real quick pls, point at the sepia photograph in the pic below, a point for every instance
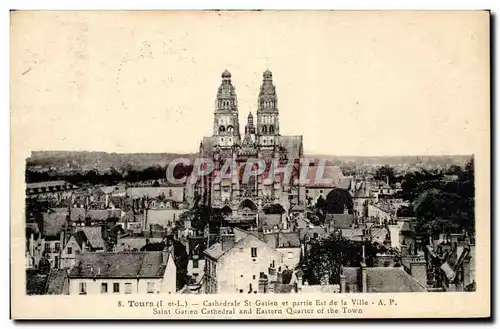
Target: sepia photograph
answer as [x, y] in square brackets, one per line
[212, 164]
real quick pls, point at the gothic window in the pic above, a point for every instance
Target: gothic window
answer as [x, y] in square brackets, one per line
[222, 129]
[264, 129]
[230, 129]
[271, 129]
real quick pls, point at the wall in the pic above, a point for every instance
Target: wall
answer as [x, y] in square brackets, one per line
[67, 259]
[237, 268]
[378, 214]
[94, 286]
[291, 257]
[169, 281]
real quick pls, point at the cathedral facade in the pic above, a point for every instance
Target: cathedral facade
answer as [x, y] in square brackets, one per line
[244, 199]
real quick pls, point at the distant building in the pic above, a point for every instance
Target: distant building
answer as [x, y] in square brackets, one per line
[56, 190]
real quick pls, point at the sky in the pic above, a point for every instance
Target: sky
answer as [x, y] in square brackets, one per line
[352, 83]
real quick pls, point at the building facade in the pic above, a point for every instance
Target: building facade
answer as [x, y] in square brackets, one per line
[244, 199]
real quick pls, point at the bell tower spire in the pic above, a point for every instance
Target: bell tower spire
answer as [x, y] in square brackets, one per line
[226, 124]
[267, 112]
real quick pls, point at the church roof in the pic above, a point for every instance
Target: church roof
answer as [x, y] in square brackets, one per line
[226, 74]
[292, 145]
[207, 147]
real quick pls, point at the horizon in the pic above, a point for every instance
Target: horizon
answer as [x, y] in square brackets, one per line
[312, 154]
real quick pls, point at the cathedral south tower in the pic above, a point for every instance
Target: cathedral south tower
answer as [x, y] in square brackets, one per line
[267, 113]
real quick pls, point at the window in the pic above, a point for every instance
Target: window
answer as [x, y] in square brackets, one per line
[195, 263]
[83, 288]
[254, 252]
[104, 288]
[57, 246]
[70, 250]
[151, 287]
[116, 287]
[47, 246]
[253, 277]
[128, 288]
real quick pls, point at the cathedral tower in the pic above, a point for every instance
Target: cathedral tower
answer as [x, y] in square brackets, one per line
[267, 112]
[226, 126]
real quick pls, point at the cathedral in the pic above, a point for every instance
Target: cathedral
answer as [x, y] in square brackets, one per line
[243, 200]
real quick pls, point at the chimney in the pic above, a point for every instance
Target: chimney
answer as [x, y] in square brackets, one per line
[227, 241]
[262, 286]
[364, 281]
[343, 283]
[418, 270]
[364, 273]
[165, 254]
[467, 271]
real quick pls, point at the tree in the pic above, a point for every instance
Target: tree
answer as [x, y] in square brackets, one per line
[325, 258]
[386, 174]
[338, 200]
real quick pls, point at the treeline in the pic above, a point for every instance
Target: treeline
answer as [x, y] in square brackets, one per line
[441, 205]
[113, 176]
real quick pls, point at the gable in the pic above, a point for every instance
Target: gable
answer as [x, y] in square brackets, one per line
[249, 242]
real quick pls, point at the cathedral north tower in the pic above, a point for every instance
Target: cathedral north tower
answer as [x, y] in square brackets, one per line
[226, 128]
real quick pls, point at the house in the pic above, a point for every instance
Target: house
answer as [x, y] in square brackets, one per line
[54, 221]
[123, 273]
[361, 198]
[288, 244]
[321, 180]
[129, 243]
[84, 239]
[378, 280]
[379, 213]
[235, 266]
[50, 190]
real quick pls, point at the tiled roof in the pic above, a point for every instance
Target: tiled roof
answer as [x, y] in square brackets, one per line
[341, 220]
[104, 214]
[108, 189]
[282, 240]
[292, 145]
[78, 214]
[363, 191]
[133, 243]
[214, 251]
[379, 235]
[54, 221]
[310, 231]
[317, 177]
[391, 279]
[94, 236]
[56, 281]
[207, 147]
[118, 265]
[352, 274]
[270, 220]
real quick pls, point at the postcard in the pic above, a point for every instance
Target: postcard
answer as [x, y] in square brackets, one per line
[250, 164]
